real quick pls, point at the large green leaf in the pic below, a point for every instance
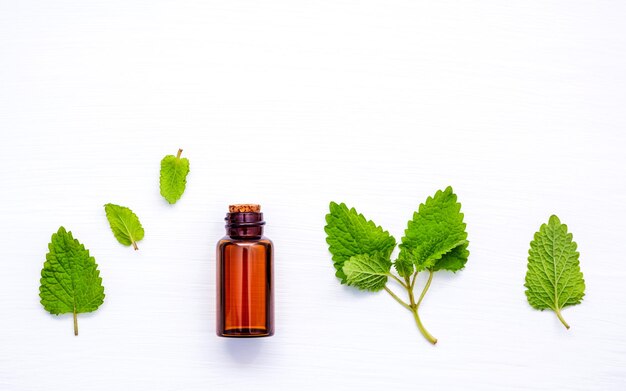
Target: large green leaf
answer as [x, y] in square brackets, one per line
[350, 234]
[554, 279]
[70, 280]
[435, 238]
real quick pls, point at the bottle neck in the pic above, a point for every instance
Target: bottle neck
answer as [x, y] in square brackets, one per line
[244, 225]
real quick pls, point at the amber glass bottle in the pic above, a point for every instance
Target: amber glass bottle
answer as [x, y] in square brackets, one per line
[245, 278]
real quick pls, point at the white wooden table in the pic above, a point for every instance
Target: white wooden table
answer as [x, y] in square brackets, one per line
[520, 107]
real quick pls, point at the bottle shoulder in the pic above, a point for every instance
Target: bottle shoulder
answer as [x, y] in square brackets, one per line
[229, 241]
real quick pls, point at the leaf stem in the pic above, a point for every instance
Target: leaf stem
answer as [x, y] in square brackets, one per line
[413, 282]
[135, 245]
[75, 321]
[399, 300]
[414, 307]
[180, 151]
[408, 285]
[558, 314]
[398, 280]
[423, 330]
[430, 279]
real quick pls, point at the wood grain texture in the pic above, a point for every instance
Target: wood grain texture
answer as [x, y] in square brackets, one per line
[520, 107]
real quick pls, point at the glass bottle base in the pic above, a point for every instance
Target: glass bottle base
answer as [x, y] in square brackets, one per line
[245, 333]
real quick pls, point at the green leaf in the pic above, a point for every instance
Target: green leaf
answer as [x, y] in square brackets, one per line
[70, 279]
[453, 260]
[554, 279]
[173, 180]
[350, 234]
[404, 265]
[435, 238]
[124, 224]
[367, 272]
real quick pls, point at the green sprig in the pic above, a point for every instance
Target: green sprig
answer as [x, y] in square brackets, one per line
[435, 239]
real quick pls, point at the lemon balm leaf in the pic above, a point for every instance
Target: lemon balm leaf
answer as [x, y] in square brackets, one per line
[453, 260]
[173, 180]
[553, 278]
[349, 234]
[367, 272]
[404, 265]
[125, 225]
[70, 279]
[435, 238]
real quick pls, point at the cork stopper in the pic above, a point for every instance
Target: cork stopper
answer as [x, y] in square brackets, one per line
[244, 208]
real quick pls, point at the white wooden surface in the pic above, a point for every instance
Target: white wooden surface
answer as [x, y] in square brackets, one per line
[518, 105]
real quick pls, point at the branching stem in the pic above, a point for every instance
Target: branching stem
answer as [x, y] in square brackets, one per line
[398, 280]
[409, 284]
[399, 300]
[413, 282]
[430, 279]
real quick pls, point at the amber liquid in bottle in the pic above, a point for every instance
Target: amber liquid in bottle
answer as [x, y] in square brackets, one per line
[245, 296]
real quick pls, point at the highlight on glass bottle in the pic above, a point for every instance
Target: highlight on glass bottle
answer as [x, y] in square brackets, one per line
[245, 278]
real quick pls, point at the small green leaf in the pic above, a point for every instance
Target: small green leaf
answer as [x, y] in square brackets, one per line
[554, 279]
[70, 279]
[435, 238]
[404, 265]
[349, 233]
[367, 271]
[173, 180]
[124, 224]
